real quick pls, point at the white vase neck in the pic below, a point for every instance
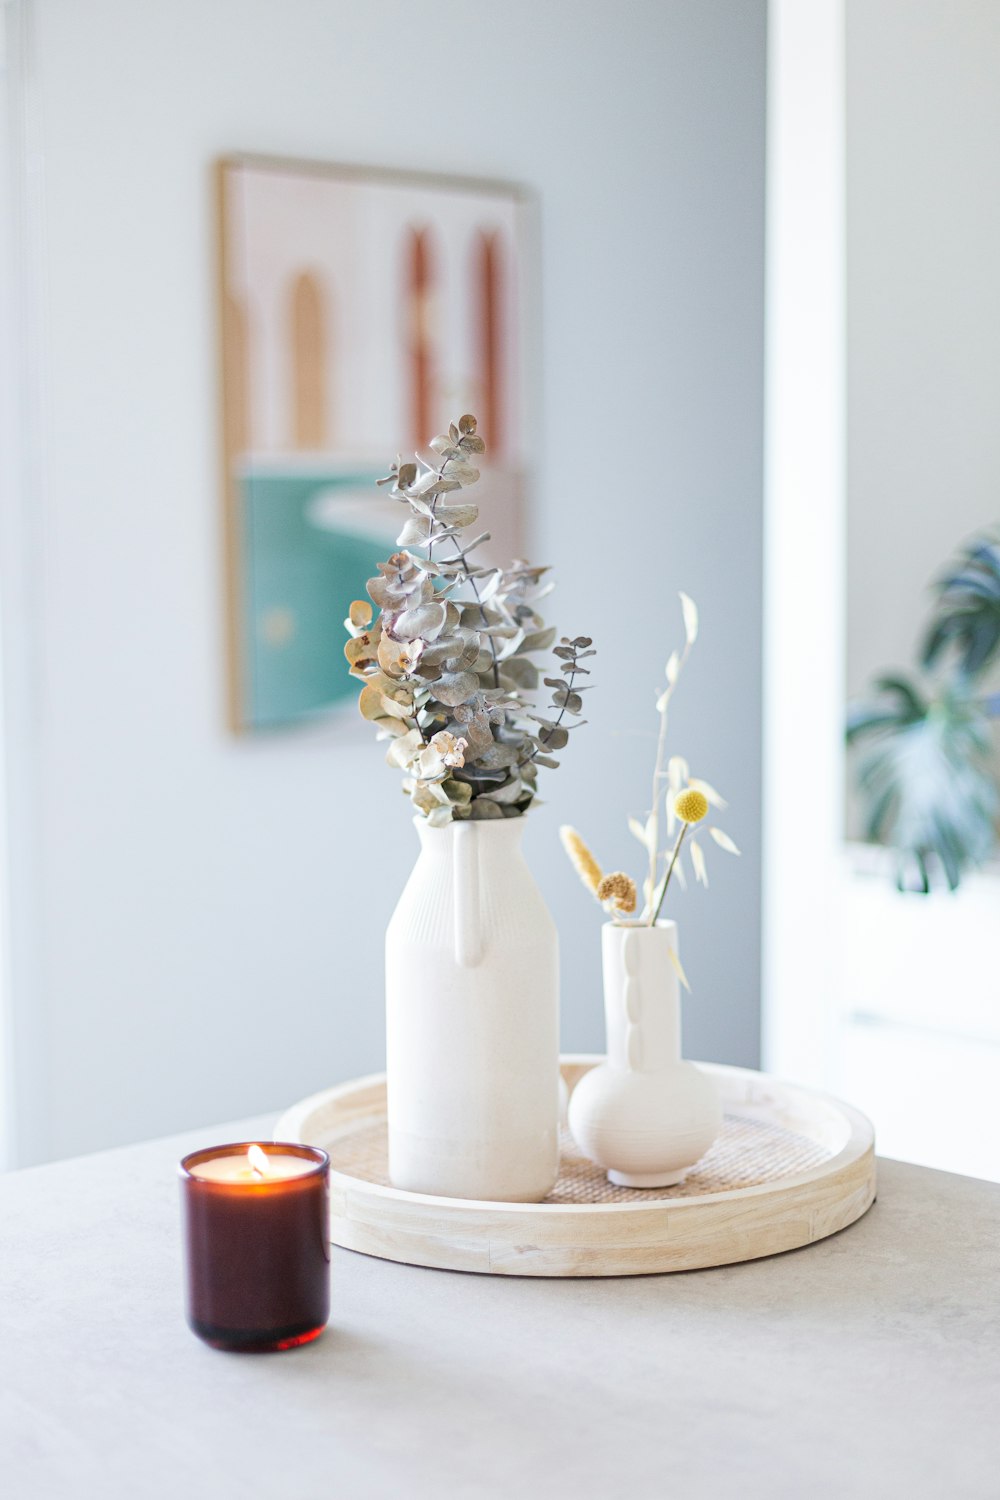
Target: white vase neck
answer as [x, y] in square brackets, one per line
[476, 861]
[492, 833]
[664, 925]
[641, 995]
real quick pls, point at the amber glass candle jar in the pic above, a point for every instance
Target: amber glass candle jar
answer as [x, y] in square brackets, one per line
[257, 1244]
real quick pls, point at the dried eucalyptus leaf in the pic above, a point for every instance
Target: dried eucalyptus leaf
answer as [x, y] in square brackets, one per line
[498, 757]
[460, 472]
[508, 792]
[455, 687]
[451, 643]
[360, 614]
[481, 778]
[538, 640]
[371, 702]
[425, 620]
[385, 595]
[396, 708]
[457, 791]
[456, 516]
[552, 736]
[489, 588]
[416, 530]
[391, 729]
[361, 648]
[466, 550]
[480, 810]
[465, 660]
[480, 740]
[522, 672]
[433, 483]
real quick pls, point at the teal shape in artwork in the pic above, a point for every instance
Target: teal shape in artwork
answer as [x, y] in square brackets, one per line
[305, 557]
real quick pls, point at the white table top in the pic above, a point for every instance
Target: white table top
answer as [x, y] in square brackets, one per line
[865, 1366]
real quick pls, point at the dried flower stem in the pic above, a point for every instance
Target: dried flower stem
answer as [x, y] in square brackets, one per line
[546, 734]
[666, 879]
[468, 574]
[482, 611]
[689, 805]
[659, 775]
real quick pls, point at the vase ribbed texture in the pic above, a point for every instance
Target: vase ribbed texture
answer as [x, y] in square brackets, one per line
[472, 1020]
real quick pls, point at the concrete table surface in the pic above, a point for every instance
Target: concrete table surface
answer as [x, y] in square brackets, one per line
[866, 1365]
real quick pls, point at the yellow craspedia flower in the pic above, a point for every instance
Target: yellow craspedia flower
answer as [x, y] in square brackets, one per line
[691, 805]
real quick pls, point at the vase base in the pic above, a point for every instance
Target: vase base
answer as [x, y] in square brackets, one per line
[647, 1179]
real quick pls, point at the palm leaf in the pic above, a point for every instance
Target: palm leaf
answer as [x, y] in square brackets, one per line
[926, 780]
[967, 610]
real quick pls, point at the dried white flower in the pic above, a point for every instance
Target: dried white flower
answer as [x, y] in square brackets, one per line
[443, 751]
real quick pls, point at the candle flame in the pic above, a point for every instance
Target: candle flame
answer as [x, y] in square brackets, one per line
[258, 1160]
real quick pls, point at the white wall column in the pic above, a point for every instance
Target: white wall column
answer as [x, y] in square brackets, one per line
[804, 526]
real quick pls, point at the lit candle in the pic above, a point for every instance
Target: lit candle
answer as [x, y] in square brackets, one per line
[256, 1220]
[253, 1165]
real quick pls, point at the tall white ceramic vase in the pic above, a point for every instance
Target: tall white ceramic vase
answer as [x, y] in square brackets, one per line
[644, 1115]
[472, 1020]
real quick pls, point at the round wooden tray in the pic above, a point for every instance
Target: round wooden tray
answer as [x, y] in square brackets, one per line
[791, 1166]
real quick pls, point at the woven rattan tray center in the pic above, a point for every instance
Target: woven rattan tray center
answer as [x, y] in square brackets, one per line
[747, 1153]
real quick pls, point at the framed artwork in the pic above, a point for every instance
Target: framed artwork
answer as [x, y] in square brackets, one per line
[361, 312]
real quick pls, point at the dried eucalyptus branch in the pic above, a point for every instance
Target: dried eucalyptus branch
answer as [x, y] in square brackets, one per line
[449, 678]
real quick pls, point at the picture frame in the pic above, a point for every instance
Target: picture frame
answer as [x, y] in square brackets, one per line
[360, 310]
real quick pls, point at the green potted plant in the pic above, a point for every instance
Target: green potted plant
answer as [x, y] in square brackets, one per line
[926, 759]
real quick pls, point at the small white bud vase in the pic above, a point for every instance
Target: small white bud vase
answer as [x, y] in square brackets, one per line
[644, 1115]
[472, 1020]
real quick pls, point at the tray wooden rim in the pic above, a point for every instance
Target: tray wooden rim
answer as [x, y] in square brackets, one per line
[708, 1229]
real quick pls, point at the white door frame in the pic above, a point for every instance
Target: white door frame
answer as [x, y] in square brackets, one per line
[804, 539]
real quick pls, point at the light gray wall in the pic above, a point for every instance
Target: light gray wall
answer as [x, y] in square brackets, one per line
[210, 912]
[923, 251]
